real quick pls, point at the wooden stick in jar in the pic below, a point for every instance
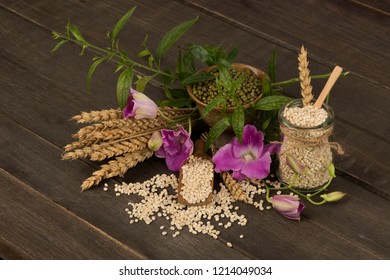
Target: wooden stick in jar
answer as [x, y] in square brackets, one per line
[328, 86]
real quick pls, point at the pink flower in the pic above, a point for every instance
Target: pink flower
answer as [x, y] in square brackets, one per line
[287, 205]
[177, 147]
[249, 159]
[139, 106]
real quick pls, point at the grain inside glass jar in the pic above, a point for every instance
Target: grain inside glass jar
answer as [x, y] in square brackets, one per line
[306, 131]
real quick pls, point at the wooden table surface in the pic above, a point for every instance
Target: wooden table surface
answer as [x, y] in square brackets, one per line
[43, 214]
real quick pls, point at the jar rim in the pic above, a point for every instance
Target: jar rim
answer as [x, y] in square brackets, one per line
[299, 103]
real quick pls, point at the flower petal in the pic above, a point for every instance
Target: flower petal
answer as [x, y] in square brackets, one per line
[272, 148]
[177, 147]
[224, 159]
[160, 152]
[129, 110]
[174, 163]
[251, 136]
[238, 176]
[258, 168]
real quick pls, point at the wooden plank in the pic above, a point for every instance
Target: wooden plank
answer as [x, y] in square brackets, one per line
[34, 227]
[363, 129]
[332, 43]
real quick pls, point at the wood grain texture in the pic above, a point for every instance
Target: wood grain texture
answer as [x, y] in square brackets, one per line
[41, 91]
[40, 229]
[378, 6]
[329, 30]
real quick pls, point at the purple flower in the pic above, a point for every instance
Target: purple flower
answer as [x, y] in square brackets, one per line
[177, 147]
[139, 106]
[287, 205]
[249, 159]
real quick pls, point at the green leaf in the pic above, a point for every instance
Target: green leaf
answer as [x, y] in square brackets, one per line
[237, 83]
[144, 53]
[180, 102]
[142, 82]
[151, 61]
[273, 102]
[57, 46]
[92, 70]
[223, 63]
[123, 87]
[119, 25]
[266, 87]
[119, 68]
[272, 67]
[266, 124]
[231, 56]
[238, 121]
[178, 92]
[216, 131]
[179, 64]
[188, 61]
[197, 77]
[212, 104]
[173, 35]
[75, 32]
[224, 78]
[144, 42]
[169, 78]
[200, 53]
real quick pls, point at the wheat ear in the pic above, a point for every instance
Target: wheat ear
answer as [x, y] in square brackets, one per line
[304, 77]
[103, 150]
[233, 186]
[98, 116]
[117, 167]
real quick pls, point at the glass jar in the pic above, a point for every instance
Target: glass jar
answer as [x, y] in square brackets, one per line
[310, 146]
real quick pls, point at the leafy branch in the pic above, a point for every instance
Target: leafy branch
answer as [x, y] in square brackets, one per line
[124, 64]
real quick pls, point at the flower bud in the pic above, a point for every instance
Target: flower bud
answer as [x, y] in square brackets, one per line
[287, 205]
[295, 165]
[155, 141]
[332, 171]
[139, 106]
[333, 196]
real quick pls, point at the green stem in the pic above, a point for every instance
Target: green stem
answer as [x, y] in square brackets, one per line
[306, 197]
[323, 188]
[268, 189]
[295, 80]
[112, 53]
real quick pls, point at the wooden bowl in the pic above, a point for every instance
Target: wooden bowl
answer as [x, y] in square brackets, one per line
[217, 113]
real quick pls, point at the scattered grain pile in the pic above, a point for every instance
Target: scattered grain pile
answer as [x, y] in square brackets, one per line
[158, 200]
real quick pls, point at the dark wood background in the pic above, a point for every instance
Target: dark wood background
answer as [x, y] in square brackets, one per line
[43, 215]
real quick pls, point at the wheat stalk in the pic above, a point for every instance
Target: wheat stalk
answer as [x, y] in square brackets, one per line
[117, 167]
[304, 77]
[78, 145]
[233, 186]
[98, 116]
[103, 150]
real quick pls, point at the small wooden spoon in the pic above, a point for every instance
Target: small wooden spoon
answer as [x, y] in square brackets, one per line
[328, 86]
[199, 151]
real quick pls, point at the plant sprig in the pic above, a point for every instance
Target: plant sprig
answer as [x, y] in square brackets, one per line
[126, 65]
